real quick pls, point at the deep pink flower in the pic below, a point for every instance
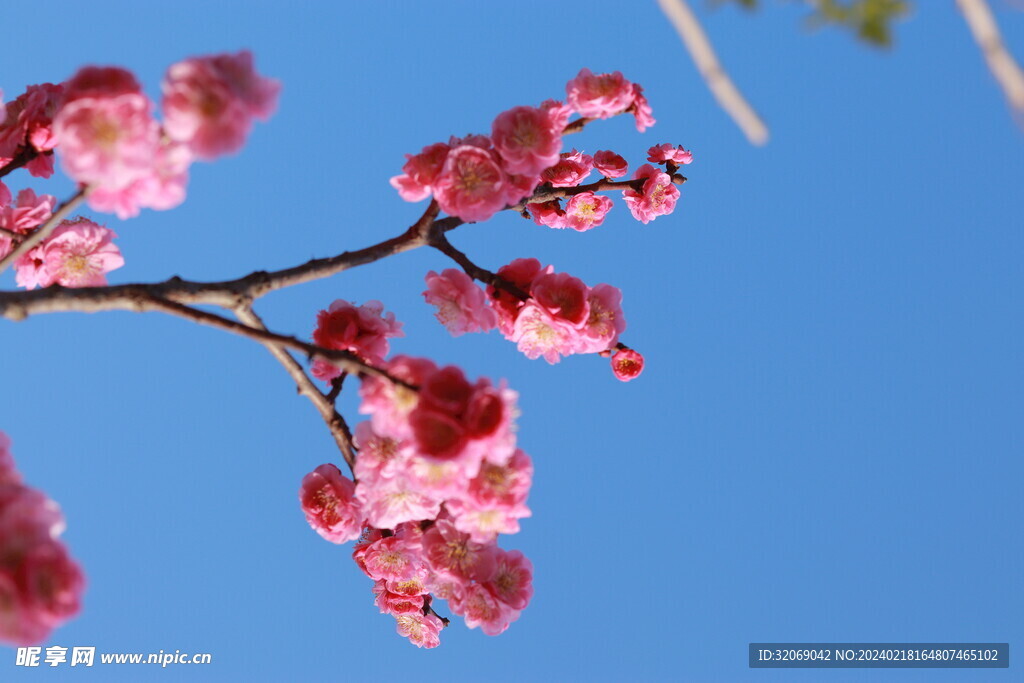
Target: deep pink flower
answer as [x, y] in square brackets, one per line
[422, 630]
[51, 583]
[563, 296]
[461, 305]
[627, 364]
[394, 603]
[586, 210]
[513, 579]
[363, 330]
[605, 322]
[420, 172]
[393, 559]
[521, 273]
[642, 111]
[548, 213]
[328, 499]
[28, 122]
[528, 139]
[558, 112]
[571, 170]
[210, 102]
[657, 198]
[100, 82]
[599, 96]
[665, 152]
[609, 164]
[471, 185]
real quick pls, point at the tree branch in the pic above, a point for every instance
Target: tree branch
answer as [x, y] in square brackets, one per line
[718, 81]
[1006, 71]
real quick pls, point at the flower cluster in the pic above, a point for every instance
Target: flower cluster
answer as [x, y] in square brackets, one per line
[106, 134]
[437, 478]
[363, 330]
[78, 253]
[475, 177]
[40, 585]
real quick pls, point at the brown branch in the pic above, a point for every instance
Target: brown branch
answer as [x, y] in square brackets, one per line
[324, 404]
[27, 154]
[725, 91]
[1007, 72]
[441, 243]
[44, 230]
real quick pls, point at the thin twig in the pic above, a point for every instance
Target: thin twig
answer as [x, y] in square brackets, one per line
[718, 81]
[1007, 72]
[324, 404]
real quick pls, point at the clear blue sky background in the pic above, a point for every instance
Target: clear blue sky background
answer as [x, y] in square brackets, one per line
[826, 445]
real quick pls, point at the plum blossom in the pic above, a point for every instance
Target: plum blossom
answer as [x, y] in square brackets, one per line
[471, 185]
[79, 253]
[528, 139]
[453, 553]
[571, 170]
[461, 305]
[609, 164]
[642, 111]
[422, 630]
[627, 364]
[586, 210]
[549, 213]
[328, 499]
[665, 152]
[363, 330]
[513, 579]
[210, 102]
[657, 198]
[481, 608]
[420, 172]
[28, 212]
[26, 126]
[599, 96]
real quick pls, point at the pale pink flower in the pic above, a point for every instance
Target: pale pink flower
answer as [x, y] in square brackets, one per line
[28, 212]
[609, 164]
[388, 502]
[605, 322]
[627, 364]
[389, 404]
[642, 111]
[79, 253]
[657, 198]
[380, 457]
[393, 559]
[483, 522]
[538, 333]
[30, 269]
[422, 630]
[558, 112]
[420, 172]
[108, 142]
[586, 210]
[513, 579]
[528, 139]
[328, 500]
[436, 478]
[452, 553]
[480, 608]
[363, 330]
[471, 185]
[161, 187]
[461, 305]
[599, 96]
[210, 102]
[506, 485]
[571, 170]
[665, 152]
[548, 213]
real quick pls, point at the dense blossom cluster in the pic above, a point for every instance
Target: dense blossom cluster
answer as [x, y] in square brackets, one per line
[437, 479]
[40, 585]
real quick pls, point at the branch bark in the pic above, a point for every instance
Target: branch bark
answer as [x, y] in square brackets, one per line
[1006, 71]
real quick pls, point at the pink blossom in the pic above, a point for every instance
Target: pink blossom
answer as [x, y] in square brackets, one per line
[363, 330]
[389, 404]
[78, 253]
[528, 139]
[328, 499]
[28, 212]
[563, 296]
[421, 172]
[609, 164]
[558, 112]
[471, 185]
[586, 210]
[605, 322]
[665, 152]
[27, 122]
[513, 579]
[521, 273]
[380, 457]
[210, 102]
[394, 603]
[393, 559]
[388, 502]
[571, 170]
[641, 109]
[599, 96]
[100, 82]
[480, 608]
[539, 333]
[422, 630]
[109, 142]
[627, 364]
[461, 305]
[8, 471]
[657, 198]
[520, 187]
[548, 213]
[161, 187]
[483, 522]
[51, 583]
[451, 552]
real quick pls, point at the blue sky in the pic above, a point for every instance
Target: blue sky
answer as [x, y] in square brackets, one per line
[825, 445]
